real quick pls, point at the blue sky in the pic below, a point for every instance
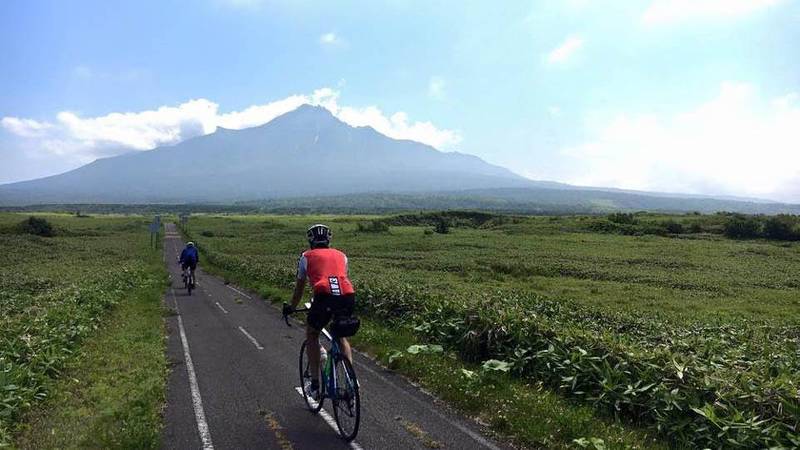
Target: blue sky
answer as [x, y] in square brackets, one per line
[696, 96]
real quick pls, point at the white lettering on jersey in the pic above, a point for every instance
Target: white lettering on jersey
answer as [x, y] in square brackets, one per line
[334, 283]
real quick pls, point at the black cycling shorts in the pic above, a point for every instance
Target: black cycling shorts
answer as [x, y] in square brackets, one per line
[193, 265]
[324, 307]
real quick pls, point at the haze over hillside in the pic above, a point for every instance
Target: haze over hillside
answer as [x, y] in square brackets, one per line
[309, 154]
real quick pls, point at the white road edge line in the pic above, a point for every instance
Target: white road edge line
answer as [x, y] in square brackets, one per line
[330, 420]
[475, 436]
[197, 401]
[252, 339]
[240, 292]
[220, 307]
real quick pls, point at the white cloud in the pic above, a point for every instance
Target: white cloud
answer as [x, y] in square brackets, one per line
[436, 88]
[259, 114]
[85, 139]
[673, 11]
[565, 50]
[736, 143]
[330, 39]
[24, 127]
[143, 130]
[398, 126]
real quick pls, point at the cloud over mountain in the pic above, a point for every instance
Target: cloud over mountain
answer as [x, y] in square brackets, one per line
[87, 138]
[271, 160]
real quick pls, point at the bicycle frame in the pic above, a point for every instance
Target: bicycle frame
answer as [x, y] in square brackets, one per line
[345, 397]
[328, 372]
[188, 278]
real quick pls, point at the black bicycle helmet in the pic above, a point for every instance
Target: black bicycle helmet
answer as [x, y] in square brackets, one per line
[319, 234]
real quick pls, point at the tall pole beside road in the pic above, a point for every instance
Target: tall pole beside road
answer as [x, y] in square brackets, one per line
[155, 227]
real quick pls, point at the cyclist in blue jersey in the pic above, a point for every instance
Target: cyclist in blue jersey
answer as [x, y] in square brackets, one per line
[189, 258]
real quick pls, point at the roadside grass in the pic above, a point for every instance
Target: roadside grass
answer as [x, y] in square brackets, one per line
[112, 393]
[78, 305]
[525, 413]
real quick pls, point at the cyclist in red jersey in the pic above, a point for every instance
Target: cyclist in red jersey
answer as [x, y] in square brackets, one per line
[325, 269]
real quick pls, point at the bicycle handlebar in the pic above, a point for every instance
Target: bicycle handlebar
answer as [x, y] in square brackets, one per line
[286, 316]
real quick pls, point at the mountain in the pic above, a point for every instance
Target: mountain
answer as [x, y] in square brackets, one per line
[309, 160]
[304, 152]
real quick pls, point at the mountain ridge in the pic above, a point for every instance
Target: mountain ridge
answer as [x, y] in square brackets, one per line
[307, 153]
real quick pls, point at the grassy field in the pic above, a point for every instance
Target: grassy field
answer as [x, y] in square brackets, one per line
[82, 357]
[693, 337]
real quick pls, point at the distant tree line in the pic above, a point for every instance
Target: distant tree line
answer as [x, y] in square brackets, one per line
[781, 227]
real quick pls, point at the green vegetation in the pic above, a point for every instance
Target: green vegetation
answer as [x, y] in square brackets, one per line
[693, 336]
[76, 369]
[36, 226]
[782, 227]
[373, 226]
[522, 409]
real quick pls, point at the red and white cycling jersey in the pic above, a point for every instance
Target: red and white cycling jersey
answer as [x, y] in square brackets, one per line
[326, 271]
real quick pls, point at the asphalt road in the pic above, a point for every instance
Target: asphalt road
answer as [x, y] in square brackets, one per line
[234, 373]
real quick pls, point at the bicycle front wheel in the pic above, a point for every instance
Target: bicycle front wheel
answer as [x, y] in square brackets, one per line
[346, 400]
[305, 381]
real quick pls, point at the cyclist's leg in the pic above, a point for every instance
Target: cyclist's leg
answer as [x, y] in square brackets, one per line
[344, 345]
[312, 350]
[346, 308]
[317, 318]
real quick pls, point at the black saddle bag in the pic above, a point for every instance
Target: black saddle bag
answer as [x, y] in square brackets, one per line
[345, 326]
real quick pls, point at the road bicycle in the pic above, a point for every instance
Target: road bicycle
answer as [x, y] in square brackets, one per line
[188, 279]
[338, 381]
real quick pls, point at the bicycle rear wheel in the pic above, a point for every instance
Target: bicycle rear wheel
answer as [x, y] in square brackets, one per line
[346, 400]
[305, 381]
[190, 280]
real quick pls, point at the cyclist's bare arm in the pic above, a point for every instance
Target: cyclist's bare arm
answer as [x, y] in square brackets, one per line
[299, 288]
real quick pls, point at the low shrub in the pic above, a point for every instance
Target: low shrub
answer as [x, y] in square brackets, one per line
[609, 227]
[672, 227]
[623, 218]
[442, 227]
[37, 226]
[469, 219]
[780, 228]
[373, 226]
[742, 227]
